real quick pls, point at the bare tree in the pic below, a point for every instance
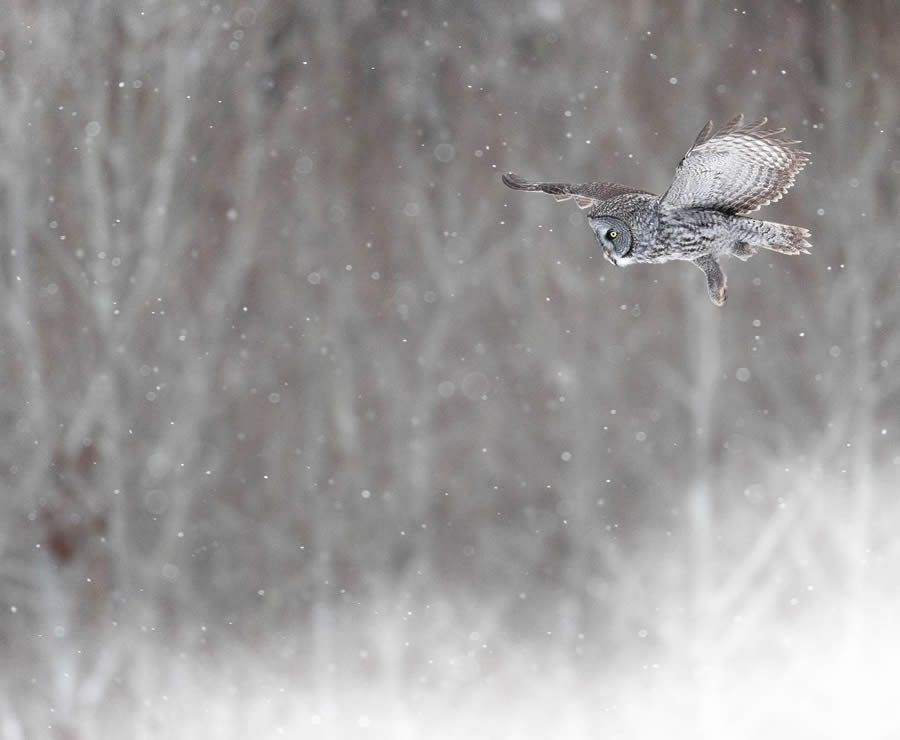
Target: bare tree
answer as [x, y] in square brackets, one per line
[307, 418]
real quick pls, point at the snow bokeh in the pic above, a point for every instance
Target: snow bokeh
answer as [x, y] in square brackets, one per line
[311, 428]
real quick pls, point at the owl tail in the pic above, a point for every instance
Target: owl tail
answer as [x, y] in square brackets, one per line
[780, 238]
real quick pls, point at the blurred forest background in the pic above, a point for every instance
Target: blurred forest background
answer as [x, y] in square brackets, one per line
[311, 428]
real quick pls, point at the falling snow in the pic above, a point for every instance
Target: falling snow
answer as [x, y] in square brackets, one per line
[312, 430]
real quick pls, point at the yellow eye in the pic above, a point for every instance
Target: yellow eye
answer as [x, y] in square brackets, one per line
[613, 234]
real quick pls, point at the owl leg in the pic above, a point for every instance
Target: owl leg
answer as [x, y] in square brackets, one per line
[715, 278]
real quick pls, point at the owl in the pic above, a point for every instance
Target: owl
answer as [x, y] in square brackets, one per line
[702, 217]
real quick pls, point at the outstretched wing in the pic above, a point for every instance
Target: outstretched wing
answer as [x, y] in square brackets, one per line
[585, 195]
[737, 170]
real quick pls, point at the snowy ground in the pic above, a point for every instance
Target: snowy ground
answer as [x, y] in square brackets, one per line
[813, 679]
[311, 428]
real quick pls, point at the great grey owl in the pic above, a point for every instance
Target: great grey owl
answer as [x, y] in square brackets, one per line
[702, 216]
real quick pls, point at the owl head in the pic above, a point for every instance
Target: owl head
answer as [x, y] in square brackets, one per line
[614, 236]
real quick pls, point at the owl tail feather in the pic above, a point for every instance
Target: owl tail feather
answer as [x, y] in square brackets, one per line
[783, 238]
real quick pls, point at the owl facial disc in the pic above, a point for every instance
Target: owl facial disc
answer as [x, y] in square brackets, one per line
[614, 238]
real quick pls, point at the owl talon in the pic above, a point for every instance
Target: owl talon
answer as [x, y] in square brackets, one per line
[723, 177]
[716, 281]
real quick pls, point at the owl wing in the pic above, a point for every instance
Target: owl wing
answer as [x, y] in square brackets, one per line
[740, 168]
[585, 195]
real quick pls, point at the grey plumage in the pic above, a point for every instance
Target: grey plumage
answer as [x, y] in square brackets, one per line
[703, 215]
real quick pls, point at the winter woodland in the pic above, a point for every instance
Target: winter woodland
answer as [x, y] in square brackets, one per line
[311, 428]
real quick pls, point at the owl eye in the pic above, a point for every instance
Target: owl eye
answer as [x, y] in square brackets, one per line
[612, 233]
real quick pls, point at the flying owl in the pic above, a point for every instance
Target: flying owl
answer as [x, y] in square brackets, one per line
[702, 217]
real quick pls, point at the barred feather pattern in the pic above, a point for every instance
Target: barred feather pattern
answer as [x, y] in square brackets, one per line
[737, 170]
[585, 195]
[702, 216]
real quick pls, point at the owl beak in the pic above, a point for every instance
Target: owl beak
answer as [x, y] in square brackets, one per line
[610, 256]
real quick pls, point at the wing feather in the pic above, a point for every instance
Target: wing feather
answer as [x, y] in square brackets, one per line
[739, 169]
[585, 195]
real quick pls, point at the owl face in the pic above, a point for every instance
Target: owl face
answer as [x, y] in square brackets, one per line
[614, 237]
